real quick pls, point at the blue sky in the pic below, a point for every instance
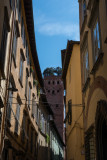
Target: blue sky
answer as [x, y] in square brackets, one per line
[56, 21]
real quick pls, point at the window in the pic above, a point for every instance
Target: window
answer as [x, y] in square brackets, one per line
[48, 82]
[90, 144]
[69, 112]
[96, 41]
[57, 91]
[23, 33]
[17, 117]
[26, 84]
[3, 44]
[83, 9]
[53, 92]
[57, 105]
[34, 106]
[14, 41]
[27, 144]
[19, 9]
[57, 82]
[53, 82]
[23, 128]
[37, 114]
[27, 54]
[12, 4]
[29, 96]
[21, 69]
[9, 106]
[48, 91]
[85, 65]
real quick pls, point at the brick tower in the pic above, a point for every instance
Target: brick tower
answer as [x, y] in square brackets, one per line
[55, 92]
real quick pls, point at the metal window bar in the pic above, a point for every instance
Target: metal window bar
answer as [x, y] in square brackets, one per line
[90, 145]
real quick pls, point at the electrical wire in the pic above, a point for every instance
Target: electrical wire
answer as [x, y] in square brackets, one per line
[47, 102]
[76, 122]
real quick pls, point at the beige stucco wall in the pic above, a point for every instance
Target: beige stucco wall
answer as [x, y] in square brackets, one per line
[74, 132]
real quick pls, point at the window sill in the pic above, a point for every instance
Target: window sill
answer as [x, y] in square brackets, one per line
[86, 84]
[97, 63]
[20, 83]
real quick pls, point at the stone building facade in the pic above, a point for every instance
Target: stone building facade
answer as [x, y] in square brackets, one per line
[93, 47]
[24, 117]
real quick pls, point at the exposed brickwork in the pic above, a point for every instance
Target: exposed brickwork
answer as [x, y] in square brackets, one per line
[54, 91]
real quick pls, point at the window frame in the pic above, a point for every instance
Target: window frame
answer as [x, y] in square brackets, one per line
[21, 68]
[86, 71]
[9, 105]
[15, 38]
[23, 32]
[17, 117]
[29, 95]
[26, 83]
[96, 21]
[19, 10]
[88, 144]
[84, 8]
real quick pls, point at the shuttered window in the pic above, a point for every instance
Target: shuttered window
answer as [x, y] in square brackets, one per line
[29, 96]
[17, 118]
[19, 9]
[26, 84]
[85, 65]
[96, 42]
[21, 68]
[34, 107]
[27, 54]
[23, 33]
[23, 128]
[9, 105]
[14, 41]
[69, 112]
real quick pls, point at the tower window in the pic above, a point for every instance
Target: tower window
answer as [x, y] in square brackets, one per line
[57, 105]
[57, 82]
[53, 92]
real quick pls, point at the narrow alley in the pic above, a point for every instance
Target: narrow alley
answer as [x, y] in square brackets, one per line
[53, 106]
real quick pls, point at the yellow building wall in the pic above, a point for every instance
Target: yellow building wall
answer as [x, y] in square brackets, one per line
[74, 132]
